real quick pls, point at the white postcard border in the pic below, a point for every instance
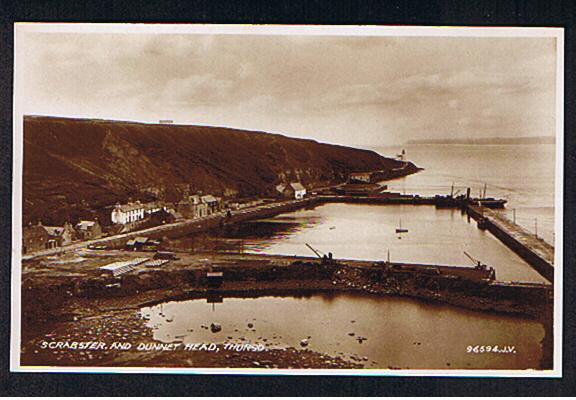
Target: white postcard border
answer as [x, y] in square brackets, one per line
[312, 30]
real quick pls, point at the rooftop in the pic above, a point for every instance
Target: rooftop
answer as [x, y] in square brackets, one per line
[294, 185]
[297, 186]
[54, 230]
[83, 225]
[209, 199]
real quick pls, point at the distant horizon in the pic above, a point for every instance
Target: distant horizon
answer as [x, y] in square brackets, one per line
[444, 140]
[541, 139]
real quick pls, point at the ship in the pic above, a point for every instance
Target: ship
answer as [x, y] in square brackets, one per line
[491, 202]
[400, 229]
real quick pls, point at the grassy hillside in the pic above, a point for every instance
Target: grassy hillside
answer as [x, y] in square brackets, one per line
[72, 166]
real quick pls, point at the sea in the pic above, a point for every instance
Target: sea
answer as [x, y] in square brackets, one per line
[522, 174]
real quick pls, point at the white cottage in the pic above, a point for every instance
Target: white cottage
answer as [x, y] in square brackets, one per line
[127, 213]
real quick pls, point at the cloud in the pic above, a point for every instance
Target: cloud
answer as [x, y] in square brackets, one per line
[198, 89]
[322, 86]
[245, 70]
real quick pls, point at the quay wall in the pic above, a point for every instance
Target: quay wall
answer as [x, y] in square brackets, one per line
[272, 273]
[215, 221]
[542, 266]
[378, 200]
[182, 228]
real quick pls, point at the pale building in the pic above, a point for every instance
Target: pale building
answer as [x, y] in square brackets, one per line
[89, 230]
[293, 190]
[127, 213]
[365, 177]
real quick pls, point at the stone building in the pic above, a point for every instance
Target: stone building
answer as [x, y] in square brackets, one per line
[61, 235]
[34, 238]
[88, 230]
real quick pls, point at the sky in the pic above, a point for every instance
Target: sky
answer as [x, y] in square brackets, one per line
[360, 91]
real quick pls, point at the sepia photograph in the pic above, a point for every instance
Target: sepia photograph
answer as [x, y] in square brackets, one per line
[284, 199]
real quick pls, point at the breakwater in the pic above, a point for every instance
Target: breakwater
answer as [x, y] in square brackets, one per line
[251, 274]
[535, 251]
[381, 199]
[50, 295]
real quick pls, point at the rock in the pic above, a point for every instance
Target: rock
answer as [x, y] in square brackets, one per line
[215, 327]
[256, 364]
[250, 325]
[304, 342]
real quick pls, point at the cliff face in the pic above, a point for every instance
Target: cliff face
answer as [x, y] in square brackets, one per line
[72, 166]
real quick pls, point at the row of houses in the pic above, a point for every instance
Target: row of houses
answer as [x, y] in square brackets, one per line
[123, 214]
[39, 237]
[194, 206]
[191, 206]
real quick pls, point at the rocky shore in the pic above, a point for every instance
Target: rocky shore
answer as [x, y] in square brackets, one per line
[84, 331]
[85, 310]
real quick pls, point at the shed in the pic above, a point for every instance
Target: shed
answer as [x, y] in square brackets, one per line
[137, 243]
[165, 255]
[215, 279]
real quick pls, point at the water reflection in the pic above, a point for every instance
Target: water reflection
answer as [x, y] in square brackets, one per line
[398, 332]
[356, 231]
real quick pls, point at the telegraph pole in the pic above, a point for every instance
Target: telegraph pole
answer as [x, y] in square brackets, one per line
[536, 227]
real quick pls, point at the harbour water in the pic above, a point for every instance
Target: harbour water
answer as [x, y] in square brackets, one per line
[368, 232]
[398, 332]
[435, 236]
